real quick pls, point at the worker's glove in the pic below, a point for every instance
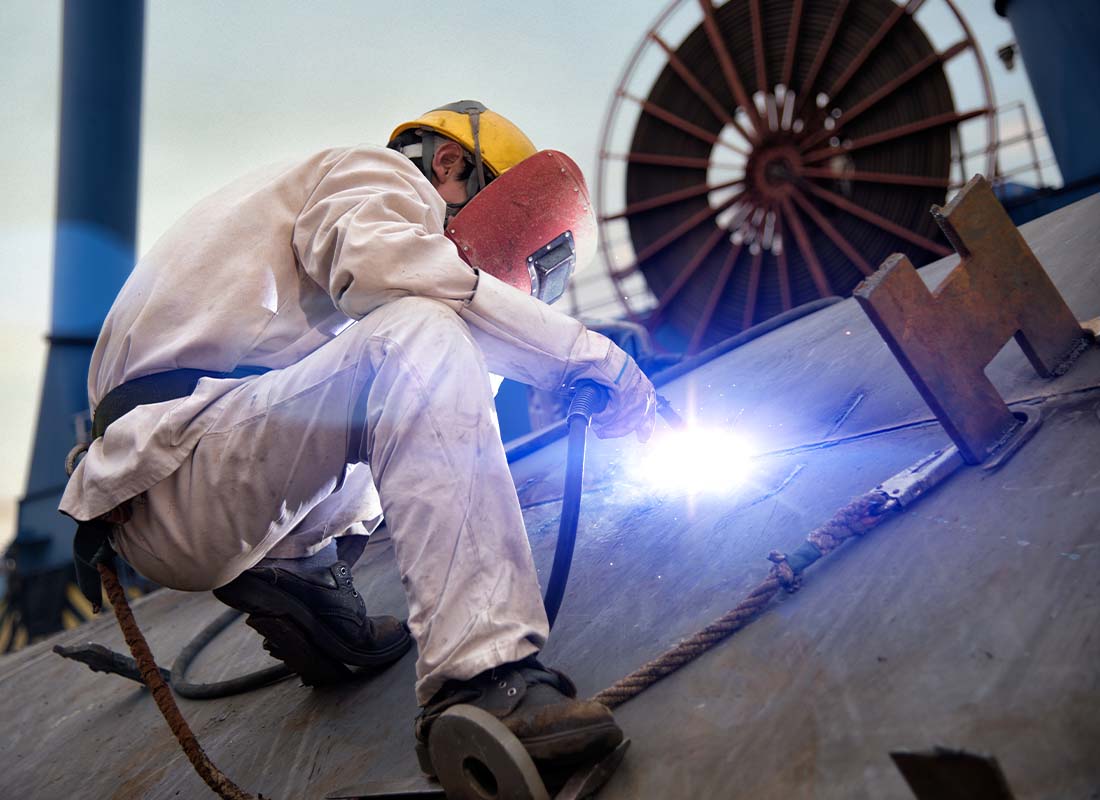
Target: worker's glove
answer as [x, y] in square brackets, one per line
[526, 340]
[632, 401]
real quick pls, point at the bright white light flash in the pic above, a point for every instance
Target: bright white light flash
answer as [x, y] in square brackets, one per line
[696, 460]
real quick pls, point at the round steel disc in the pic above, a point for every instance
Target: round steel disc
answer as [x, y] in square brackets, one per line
[477, 758]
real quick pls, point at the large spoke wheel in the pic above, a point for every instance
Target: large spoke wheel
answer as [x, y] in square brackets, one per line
[784, 149]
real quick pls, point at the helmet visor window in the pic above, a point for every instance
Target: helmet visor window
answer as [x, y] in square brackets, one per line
[551, 266]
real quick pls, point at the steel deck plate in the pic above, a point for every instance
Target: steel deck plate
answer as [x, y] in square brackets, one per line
[969, 621]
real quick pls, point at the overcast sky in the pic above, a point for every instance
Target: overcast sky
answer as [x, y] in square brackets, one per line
[233, 85]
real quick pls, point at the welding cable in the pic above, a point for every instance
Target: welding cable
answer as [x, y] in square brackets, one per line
[588, 399]
[211, 691]
[103, 659]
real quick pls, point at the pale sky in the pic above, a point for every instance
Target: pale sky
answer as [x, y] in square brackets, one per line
[233, 85]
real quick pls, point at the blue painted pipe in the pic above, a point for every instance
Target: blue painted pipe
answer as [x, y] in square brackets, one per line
[97, 195]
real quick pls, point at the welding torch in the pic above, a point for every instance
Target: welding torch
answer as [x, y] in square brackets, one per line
[668, 413]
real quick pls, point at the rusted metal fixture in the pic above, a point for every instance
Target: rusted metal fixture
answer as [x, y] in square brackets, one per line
[945, 338]
[945, 774]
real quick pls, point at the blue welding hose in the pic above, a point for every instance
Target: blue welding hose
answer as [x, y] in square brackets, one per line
[588, 398]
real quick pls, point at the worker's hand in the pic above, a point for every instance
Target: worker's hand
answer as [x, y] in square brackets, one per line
[631, 407]
[632, 400]
[526, 340]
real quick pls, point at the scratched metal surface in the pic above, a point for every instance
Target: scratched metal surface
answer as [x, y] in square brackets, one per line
[831, 376]
[969, 621]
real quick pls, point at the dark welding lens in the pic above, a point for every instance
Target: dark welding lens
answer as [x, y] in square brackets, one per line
[551, 266]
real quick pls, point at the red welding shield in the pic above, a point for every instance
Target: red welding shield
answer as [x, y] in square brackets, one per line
[531, 226]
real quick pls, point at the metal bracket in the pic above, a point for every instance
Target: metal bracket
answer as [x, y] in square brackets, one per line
[945, 338]
[945, 774]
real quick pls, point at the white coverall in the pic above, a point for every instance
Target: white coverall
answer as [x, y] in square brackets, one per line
[334, 272]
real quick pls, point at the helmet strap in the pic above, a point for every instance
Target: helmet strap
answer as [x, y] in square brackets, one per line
[479, 166]
[452, 211]
[427, 153]
[426, 147]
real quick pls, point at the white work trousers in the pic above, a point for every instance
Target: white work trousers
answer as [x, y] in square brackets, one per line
[405, 390]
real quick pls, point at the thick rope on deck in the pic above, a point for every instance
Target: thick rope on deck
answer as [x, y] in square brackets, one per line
[855, 519]
[162, 695]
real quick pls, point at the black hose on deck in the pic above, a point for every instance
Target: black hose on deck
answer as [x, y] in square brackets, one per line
[588, 399]
[102, 659]
[211, 691]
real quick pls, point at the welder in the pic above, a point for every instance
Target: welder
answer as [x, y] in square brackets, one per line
[306, 353]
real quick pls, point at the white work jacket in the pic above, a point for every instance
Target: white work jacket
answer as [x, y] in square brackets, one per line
[272, 267]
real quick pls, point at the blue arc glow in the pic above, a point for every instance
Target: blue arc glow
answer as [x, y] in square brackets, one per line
[696, 461]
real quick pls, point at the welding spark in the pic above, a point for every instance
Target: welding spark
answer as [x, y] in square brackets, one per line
[696, 460]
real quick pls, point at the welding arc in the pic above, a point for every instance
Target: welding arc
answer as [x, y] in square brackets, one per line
[588, 399]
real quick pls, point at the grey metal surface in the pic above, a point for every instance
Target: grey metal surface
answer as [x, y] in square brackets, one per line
[970, 621]
[830, 377]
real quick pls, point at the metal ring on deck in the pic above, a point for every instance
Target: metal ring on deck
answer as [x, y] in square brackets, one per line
[476, 757]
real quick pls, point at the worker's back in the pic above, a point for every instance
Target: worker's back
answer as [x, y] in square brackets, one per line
[222, 287]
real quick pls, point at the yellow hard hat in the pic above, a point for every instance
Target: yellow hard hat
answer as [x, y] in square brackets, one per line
[491, 138]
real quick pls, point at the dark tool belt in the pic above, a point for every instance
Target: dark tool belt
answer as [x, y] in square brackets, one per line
[91, 544]
[156, 388]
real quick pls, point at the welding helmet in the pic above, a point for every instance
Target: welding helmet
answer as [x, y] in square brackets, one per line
[493, 143]
[531, 227]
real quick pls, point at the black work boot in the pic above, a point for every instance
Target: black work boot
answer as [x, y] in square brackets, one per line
[536, 704]
[315, 621]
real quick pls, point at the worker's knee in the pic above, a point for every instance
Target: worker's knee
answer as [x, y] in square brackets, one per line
[422, 329]
[414, 314]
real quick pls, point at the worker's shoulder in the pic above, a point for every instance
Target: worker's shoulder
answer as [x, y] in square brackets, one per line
[363, 157]
[315, 165]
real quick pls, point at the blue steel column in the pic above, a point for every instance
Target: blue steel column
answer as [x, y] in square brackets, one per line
[1060, 45]
[97, 186]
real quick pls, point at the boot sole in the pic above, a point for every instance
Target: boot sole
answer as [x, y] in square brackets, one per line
[298, 623]
[285, 641]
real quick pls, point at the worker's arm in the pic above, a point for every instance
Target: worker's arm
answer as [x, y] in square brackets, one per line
[525, 339]
[372, 232]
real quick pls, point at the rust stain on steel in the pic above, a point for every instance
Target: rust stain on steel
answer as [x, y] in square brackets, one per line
[945, 338]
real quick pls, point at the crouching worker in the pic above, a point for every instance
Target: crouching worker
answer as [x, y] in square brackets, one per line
[310, 349]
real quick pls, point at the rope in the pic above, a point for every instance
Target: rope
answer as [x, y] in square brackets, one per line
[162, 695]
[855, 519]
